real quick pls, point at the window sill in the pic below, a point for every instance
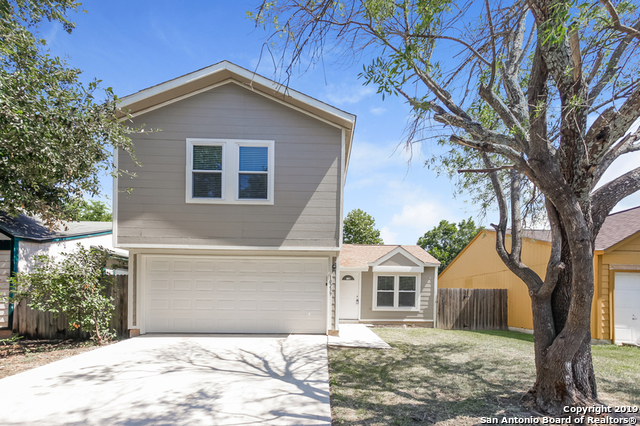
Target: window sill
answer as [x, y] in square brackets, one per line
[415, 309]
[220, 201]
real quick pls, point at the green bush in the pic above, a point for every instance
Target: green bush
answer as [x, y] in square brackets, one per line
[74, 286]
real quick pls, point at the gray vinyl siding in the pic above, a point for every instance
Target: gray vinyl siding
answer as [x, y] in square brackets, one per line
[426, 300]
[307, 171]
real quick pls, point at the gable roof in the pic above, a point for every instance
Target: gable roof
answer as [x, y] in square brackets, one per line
[226, 72]
[618, 227]
[360, 255]
[30, 228]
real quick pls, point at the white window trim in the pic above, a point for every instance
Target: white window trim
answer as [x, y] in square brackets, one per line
[270, 172]
[204, 142]
[230, 171]
[396, 287]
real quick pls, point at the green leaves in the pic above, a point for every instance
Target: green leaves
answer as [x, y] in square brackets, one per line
[91, 210]
[446, 241]
[359, 229]
[56, 134]
[74, 287]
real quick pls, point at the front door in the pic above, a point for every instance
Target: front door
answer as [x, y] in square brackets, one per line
[349, 297]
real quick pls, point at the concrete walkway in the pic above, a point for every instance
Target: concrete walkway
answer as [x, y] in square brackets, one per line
[178, 380]
[357, 336]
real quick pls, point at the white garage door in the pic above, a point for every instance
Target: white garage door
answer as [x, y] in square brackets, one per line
[627, 308]
[234, 295]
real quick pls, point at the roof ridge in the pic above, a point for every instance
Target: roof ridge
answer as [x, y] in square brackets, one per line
[623, 211]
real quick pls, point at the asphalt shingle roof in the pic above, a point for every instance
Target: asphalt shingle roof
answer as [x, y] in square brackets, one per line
[34, 229]
[360, 255]
[616, 227]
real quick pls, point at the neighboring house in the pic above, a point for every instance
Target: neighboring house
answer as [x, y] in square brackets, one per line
[615, 314]
[388, 284]
[234, 221]
[22, 238]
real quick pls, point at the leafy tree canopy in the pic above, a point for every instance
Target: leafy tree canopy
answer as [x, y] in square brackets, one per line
[90, 210]
[446, 241]
[56, 133]
[359, 228]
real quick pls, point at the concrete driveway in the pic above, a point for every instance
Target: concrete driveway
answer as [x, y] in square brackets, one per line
[178, 380]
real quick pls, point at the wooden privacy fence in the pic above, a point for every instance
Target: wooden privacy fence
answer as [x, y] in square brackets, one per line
[472, 309]
[42, 325]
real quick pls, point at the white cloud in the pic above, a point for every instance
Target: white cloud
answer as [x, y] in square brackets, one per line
[347, 93]
[421, 216]
[388, 236]
[378, 111]
[367, 157]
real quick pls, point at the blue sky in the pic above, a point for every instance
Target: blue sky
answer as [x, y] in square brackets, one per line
[131, 45]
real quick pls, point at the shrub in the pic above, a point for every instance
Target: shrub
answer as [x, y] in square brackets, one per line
[73, 286]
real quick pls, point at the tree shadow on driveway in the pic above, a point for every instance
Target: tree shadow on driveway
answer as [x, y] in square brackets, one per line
[183, 380]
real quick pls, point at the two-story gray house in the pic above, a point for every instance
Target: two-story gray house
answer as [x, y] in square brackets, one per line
[234, 221]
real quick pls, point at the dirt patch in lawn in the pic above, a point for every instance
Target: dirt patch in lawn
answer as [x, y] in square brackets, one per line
[455, 378]
[25, 355]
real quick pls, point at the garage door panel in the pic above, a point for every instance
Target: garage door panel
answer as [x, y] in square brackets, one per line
[159, 304]
[181, 285]
[313, 306]
[223, 285]
[159, 284]
[248, 286]
[235, 296]
[248, 305]
[289, 286]
[182, 266]
[181, 304]
[204, 304]
[204, 285]
[226, 304]
[225, 266]
[204, 266]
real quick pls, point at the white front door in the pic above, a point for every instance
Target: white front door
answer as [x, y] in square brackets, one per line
[349, 297]
[627, 307]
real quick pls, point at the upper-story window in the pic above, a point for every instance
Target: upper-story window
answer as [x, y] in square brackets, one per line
[230, 171]
[207, 174]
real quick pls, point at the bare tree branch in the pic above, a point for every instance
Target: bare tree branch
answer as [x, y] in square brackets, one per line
[624, 146]
[608, 195]
[477, 131]
[616, 20]
[510, 120]
[610, 69]
[494, 62]
[491, 170]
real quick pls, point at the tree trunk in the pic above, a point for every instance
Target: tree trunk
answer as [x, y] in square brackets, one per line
[564, 369]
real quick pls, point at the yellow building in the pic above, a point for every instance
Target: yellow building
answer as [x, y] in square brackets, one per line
[615, 314]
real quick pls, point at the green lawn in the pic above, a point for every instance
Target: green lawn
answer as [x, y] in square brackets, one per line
[455, 377]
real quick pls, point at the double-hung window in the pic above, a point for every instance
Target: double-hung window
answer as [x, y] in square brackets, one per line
[207, 170]
[253, 172]
[230, 171]
[396, 292]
